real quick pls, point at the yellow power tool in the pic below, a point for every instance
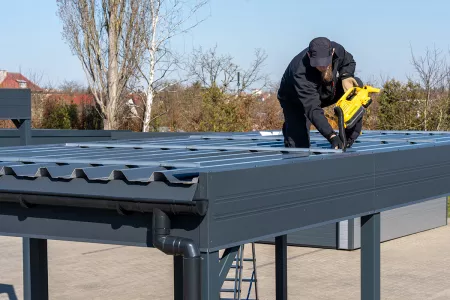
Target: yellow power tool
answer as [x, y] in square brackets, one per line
[351, 107]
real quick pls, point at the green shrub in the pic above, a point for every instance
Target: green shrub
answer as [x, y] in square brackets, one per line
[56, 115]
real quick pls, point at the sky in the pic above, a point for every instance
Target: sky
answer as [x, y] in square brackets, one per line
[379, 34]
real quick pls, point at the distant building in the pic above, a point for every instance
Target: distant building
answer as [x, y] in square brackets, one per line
[11, 80]
[256, 92]
[79, 99]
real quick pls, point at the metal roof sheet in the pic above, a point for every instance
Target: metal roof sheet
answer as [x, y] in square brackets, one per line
[181, 159]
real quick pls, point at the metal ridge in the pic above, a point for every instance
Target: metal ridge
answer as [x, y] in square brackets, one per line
[200, 147]
[280, 138]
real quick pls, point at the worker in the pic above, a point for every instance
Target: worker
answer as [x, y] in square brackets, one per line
[311, 83]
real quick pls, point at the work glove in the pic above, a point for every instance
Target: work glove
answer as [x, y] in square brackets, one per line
[348, 83]
[336, 142]
[350, 142]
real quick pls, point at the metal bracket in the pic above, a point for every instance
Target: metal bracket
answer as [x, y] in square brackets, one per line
[225, 263]
[17, 122]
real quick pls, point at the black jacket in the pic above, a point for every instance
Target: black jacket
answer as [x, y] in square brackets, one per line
[301, 82]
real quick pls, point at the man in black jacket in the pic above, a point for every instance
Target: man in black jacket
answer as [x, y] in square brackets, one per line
[310, 83]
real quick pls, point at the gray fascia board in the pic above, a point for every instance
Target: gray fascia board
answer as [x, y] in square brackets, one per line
[154, 192]
[408, 176]
[275, 200]
[269, 201]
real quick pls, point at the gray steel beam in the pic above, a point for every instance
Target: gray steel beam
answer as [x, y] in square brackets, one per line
[35, 269]
[35, 266]
[281, 267]
[15, 104]
[24, 127]
[351, 234]
[370, 257]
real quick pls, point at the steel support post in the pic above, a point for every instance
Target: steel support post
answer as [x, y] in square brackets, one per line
[24, 127]
[35, 266]
[178, 277]
[281, 267]
[370, 257]
[25, 132]
[210, 276]
[35, 269]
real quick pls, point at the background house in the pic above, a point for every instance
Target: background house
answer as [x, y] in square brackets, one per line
[17, 81]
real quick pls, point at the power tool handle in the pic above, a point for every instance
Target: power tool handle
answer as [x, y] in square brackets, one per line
[340, 115]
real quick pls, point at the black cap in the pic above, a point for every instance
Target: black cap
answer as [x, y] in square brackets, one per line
[321, 52]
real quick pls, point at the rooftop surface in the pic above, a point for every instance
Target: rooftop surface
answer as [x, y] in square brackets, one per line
[182, 159]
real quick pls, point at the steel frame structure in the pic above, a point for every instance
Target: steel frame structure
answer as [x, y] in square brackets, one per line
[212, 193]
[192, 197]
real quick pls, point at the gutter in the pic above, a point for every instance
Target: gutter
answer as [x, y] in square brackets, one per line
[161, 227]
[123, 207]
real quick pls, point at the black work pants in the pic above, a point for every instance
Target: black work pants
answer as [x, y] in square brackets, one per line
[296, 125]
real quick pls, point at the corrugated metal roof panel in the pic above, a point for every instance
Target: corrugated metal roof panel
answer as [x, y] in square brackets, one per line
[64, 171]
[182, 159]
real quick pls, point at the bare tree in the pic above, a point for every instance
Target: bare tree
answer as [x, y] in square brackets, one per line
[164, 19]
[106, 35]
[213, 69]
[254, 73]
[71, 86]
[432, 72]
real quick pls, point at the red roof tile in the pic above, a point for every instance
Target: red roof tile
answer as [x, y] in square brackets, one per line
[78, 99]
[12, 81]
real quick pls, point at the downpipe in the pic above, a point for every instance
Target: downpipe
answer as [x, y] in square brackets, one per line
[172, 245]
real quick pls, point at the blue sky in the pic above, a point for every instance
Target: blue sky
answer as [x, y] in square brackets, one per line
[378, 33]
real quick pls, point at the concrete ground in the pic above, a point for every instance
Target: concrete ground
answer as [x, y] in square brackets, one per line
[413, 267]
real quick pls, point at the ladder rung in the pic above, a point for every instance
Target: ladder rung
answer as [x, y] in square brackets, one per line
[232, 299]
[244, 259]
[228, 290]
[243, 279]
[238, 265]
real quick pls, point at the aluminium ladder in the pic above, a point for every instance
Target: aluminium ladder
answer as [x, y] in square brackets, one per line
[239, 278]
